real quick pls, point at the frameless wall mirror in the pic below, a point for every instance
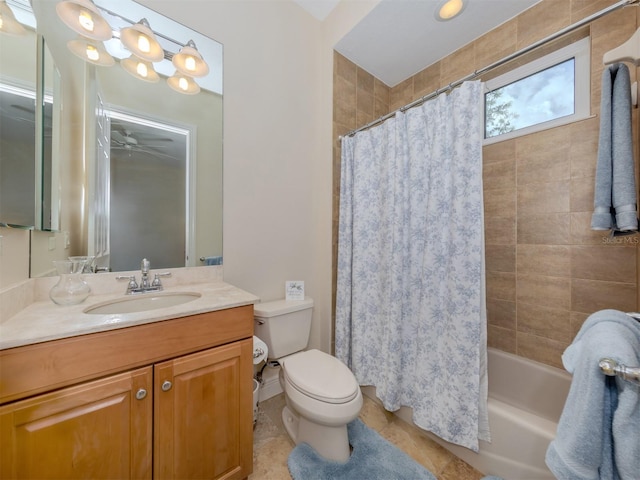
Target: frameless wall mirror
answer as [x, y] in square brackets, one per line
[122, 117]
[48, 119]
[18, 112]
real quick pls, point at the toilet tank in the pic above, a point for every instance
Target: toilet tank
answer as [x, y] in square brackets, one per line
[284, 325]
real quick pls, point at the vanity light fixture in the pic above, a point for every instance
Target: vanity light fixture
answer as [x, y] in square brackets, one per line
[183, 84]
[449, 9]
[83, 17]
[8, 22]
[141, 69]
[140, 40]
[189, 61]
[90, 51]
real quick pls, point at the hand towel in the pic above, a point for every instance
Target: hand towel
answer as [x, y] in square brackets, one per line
[615, 202]
[598, 434]
[213, 260]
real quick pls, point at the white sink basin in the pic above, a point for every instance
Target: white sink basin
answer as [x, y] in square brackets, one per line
[143, 302]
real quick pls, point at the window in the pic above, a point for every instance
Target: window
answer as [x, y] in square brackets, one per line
[548, 92]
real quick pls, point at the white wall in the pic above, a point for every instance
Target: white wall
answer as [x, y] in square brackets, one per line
[278, 74]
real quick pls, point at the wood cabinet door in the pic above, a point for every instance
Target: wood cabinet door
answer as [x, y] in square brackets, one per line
[203, 414]
[95, 430]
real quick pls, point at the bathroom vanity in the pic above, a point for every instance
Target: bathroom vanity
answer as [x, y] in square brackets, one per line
[146, 398]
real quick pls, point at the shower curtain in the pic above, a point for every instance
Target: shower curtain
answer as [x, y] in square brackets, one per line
[410, 311]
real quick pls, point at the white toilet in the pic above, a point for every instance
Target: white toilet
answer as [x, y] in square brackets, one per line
[322, 394]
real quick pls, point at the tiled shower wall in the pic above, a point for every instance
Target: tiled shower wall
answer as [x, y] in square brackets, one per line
[546, 270]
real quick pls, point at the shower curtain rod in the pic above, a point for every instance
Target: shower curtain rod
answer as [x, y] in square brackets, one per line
[499, 63]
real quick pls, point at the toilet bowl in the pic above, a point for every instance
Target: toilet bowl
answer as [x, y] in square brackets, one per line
[322, 395]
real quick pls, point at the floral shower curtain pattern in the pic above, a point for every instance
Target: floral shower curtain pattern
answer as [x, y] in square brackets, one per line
[410, 313]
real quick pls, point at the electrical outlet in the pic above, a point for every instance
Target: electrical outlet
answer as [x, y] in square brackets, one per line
[52, 243]
[67, 240]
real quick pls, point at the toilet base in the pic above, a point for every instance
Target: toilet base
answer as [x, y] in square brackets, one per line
[331, 443]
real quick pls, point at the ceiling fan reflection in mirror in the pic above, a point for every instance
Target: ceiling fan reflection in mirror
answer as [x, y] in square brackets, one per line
[131, 142]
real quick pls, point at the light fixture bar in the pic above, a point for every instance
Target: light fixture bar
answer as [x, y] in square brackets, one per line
[157, 34]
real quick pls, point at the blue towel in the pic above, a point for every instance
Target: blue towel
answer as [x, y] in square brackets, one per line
[213, 260]
[598, 434]
[615, 202]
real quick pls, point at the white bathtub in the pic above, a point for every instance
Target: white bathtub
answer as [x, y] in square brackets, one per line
[526, 399]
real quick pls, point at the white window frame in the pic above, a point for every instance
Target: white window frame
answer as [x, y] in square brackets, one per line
[581, 52]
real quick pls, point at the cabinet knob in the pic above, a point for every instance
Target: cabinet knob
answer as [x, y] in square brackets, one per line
[166, 386]
[140, 394]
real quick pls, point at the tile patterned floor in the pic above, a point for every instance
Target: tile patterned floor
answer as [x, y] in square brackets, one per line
[272, 445]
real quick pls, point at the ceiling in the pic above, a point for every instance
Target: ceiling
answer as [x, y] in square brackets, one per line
[399, 38]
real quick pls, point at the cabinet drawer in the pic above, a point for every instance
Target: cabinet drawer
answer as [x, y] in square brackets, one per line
[32, 369]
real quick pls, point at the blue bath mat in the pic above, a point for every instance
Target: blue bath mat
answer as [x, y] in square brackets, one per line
[372, 458]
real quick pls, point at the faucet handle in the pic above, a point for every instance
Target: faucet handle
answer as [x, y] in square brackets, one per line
[132, 281]
[156, 279]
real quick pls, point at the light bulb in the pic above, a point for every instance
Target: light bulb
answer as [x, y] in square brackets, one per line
[92, 53]
[183, 84]
[143, 44]
[141, 68]
[86, 21]
[190, 63]
[1, 22]
[450, 9]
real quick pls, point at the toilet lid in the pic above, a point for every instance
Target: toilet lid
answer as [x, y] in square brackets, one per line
[321, 376]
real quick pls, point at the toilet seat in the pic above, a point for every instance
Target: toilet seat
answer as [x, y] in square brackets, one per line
[320, 376]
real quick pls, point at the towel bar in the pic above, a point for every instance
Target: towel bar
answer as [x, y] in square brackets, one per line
[612, 368]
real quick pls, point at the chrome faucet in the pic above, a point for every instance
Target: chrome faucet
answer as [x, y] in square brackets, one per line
[144, 270]
[145, 286]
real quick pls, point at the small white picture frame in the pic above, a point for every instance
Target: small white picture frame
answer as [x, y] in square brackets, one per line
[294, 290]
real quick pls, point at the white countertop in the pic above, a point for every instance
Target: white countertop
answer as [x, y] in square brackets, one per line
[42, 320]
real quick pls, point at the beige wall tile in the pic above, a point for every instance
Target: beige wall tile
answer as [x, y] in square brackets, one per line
[499, 152]
[426, 81]
[588, 296]
[502, 338]
[536, 199]
[583, 8]
[552, 323]
[544, 290]
[584, 147]
[364, 113]
[582, 194]
[541, 349]
[550, 260]
[551, 229]
[500, 202]
[344, 68]
[501, 286]
[345, 103]
[365, 81]
[457, 65]
[542, 20]
[499, 175]
[500, 230]
[581, 233]
[543, 157]
[501, 313]
[500, 258]
[604, 262]
[401, 94]
[577, 319]
[496, 44]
